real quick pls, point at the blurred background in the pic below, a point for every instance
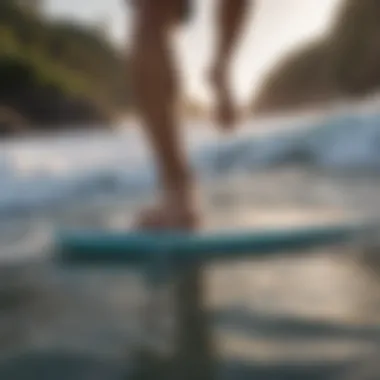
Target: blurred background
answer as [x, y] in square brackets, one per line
[307, 150]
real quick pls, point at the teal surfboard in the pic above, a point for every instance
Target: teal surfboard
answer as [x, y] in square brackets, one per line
[91, 247]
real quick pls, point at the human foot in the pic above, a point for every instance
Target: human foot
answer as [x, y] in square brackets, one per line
[168, 217]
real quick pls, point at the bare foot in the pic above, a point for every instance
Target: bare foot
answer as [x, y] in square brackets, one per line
[170, 218]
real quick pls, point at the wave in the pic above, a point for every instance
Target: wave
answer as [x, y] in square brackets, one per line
[40, 173]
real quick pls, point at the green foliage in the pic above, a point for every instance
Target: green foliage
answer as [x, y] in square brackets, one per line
[76, 61]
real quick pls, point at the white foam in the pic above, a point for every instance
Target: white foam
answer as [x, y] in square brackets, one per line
[48, 171]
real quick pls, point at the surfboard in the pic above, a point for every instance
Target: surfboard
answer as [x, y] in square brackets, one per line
[92, 247]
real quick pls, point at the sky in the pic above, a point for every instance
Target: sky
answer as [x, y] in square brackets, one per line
[273, 28]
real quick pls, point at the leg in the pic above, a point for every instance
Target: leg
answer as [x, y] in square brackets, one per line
[230, 19]
[156, 94]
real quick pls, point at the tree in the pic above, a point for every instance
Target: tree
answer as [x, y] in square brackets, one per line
[58, 63]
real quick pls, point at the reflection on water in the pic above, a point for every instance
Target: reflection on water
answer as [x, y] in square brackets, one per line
[319, 307]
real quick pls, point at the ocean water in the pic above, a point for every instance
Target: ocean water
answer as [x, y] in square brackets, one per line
[56, 171]
[314, 315]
